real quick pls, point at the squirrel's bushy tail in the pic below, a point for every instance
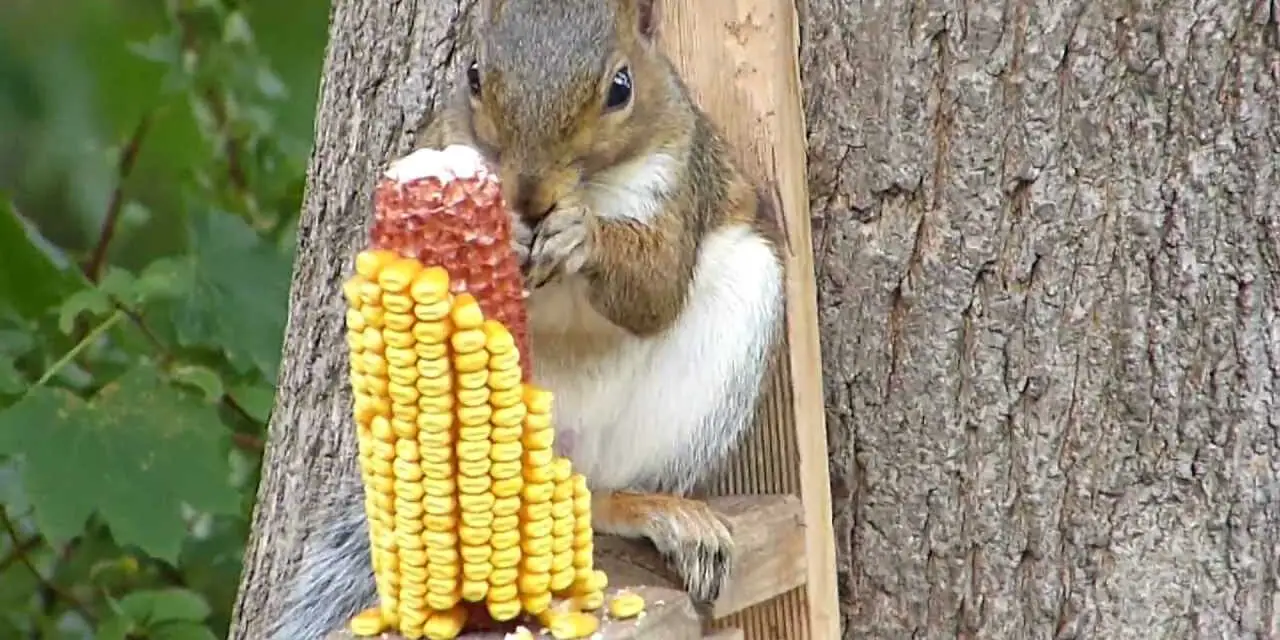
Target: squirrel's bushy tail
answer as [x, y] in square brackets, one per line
[335, 580]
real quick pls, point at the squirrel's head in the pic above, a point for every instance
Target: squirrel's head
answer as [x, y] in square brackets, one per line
[560, 89]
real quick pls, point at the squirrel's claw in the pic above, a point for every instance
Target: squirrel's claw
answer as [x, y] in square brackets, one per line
[700, 549]
[704, 566]
[560, 246]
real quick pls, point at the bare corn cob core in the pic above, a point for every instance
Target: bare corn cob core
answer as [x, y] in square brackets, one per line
[469, 510]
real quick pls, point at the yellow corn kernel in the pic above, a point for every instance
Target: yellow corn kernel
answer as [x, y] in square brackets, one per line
[591, 601]
[511, 416]
[537, 559]
[534, 583]
[537, 439]
[367, 623]
[474, 590]
[396, 276]
[539, 459]
[413, 616]
[431, 333]
[504, 361]
[506, 469]
[626, 604]
[505, 398]
[430, 285]
[503, 380]
[536, 603]
[446, 625]
[398, 303]
[473, 397]
[537, 421]
[351, 291]
[443, 601]
[432, 311]
[573, 624]
[369, 263]
[503, 435]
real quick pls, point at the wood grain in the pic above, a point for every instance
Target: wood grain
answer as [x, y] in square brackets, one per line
[739, 59]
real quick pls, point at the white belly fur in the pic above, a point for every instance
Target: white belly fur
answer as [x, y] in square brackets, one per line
[629, 410]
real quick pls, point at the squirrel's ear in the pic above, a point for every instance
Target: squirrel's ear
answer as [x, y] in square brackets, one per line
[646, 17]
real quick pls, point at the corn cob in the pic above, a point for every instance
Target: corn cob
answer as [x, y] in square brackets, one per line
[469, 509]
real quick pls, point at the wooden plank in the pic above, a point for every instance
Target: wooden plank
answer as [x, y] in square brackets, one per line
[739, 59]
[725, 634]
[769, 556]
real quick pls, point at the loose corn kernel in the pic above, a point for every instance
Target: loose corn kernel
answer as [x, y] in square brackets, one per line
[573, 624]
[368, 623]
[626, 604]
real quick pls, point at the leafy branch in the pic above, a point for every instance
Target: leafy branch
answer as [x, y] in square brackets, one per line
[136, 382]
[21, 556]
[128, 156]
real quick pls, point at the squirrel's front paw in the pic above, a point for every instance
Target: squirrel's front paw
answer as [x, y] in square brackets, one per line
[561, 243]
[521, 241]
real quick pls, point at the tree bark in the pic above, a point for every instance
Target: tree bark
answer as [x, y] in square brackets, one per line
[384, 69]
[1048, 238]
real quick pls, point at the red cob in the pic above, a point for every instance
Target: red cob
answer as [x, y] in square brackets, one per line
[430, 207]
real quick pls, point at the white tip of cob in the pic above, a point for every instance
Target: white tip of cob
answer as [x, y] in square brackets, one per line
[453, 161]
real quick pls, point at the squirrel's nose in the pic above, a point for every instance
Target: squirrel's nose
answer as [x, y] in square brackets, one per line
[530, 199]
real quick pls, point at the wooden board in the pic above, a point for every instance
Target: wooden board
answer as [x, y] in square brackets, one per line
[739, 59]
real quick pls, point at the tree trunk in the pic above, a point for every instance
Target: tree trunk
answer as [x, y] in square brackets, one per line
[1048, 237]
[385, 66]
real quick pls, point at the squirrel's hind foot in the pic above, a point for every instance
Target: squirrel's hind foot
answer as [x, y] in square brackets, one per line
[694, 539]
[704, 562]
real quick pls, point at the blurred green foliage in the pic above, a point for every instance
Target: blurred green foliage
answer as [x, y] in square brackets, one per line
[154, 155]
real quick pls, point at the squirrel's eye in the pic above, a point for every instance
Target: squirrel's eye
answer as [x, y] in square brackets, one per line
[619, 90]
[473, 79]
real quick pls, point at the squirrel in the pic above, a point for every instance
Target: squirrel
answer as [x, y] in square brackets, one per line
[655, 278]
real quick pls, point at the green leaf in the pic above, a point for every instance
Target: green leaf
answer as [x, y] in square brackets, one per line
[119, 284]
[114, 627]
[11, 380]
[164, 279]
[12, 495]
[256, 400]
[171, 614]
[135, 454]
[31, 282]
[13, 345]
[8, 630]
[93, 301]
[149, 608]
[182, 631]
[240, 297]
[204, 379]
